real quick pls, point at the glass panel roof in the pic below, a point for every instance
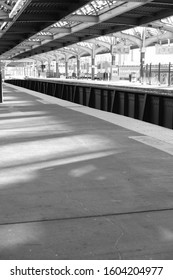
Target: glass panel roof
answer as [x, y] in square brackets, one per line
[108, 39]
[95, 7]
[33, 40]
[70, 49]
[85, 44]
[44, 33]
[61, 24]
[149, 31]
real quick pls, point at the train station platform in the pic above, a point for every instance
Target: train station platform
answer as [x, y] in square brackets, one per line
[108, 83]
[80, 183]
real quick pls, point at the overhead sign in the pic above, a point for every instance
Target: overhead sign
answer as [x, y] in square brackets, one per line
[120, 49]
[164, 49]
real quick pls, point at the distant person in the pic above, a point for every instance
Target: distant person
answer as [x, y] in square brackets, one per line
[73, 75]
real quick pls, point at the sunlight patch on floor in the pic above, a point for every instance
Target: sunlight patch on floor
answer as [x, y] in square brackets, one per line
[22, 174]
[79, 172]
[47, 130]
[32, 123]
[23, 114]
[166, 234]
[20, 103]
[16, 235]
[48, 149]
[9, 97]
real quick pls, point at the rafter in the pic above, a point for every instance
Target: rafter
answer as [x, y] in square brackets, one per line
[134, 39]
[101, 43]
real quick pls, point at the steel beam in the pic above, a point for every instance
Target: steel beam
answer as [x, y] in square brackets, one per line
[84, 18]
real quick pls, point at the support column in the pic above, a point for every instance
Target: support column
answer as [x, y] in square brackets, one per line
[112, 62]
[66, 68]
[1, 93]
[142, 65]
[132, 54]
[93, 63]
[78, 66]
[48, 68]
[93, 68]
[169, 74]
[34, 69]
[30, 70]
[3, 71]
[142, 56]
[38, 70]
[42, 67]
[57, 70]
[43, 72]
[119, 61]
[25, 69]
[21, 71]
[159, 68]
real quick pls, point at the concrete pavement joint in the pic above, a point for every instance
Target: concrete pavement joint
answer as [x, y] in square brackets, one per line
[89, 216]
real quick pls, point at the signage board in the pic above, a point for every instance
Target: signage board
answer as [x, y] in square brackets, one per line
[120, 49]
[164, 49]
[115, 75]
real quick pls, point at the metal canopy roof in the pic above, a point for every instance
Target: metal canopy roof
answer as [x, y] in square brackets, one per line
[45, 26]
[30, 17]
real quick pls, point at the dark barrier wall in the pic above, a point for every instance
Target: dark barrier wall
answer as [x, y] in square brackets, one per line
[150, 105]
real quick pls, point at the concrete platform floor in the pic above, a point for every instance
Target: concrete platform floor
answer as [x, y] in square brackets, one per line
[78, 183]
[123, 83]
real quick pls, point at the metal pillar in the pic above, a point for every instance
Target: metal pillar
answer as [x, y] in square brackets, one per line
[37, 70]
[42, 67]
[78, 67]
[1, 92]
[66, 69]
[93, 62]
[150, 74]
[159, 68]
[142, 56]
[57, 70]
[112, 62]
[142, 64]
[49, 67]
[93, 68]
[119, 59]
[169, 74]
[25, 69]
[34, 70]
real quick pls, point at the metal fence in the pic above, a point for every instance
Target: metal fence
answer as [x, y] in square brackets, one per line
[160, 74]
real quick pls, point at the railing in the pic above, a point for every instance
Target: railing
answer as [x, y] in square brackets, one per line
[161, 74]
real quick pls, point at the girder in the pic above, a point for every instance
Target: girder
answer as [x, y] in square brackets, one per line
[70, 22]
